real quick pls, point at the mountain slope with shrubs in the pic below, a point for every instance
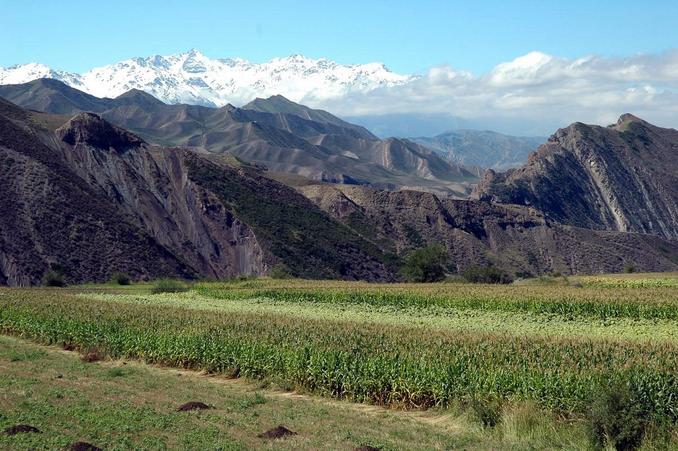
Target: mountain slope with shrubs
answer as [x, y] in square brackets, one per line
[88, 199]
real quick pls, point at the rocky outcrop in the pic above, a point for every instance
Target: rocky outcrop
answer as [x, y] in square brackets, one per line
[53, 219]
[88, 129]
[151, 185]
[89, 199]
[623, 178]
[516, 238]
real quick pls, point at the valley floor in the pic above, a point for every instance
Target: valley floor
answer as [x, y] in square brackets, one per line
[426, 366]
[123, 404]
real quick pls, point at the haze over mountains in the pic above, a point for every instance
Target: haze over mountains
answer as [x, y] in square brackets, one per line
[482, 149]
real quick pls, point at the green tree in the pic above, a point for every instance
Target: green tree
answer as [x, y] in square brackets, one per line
[53, 278]
[121, 278]
[485, 274]
[425, 265]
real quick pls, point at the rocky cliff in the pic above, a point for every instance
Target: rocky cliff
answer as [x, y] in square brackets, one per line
[152, 186]
[54, 219]
[89, 198]
[623, 178]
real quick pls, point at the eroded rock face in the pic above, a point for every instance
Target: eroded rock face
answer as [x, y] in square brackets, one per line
[90, 199]
[516, 238]
[152, 186]
[89, 129]
[53, 218]
[623, 178]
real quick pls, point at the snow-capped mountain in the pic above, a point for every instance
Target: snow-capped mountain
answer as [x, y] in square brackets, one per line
[196, 79]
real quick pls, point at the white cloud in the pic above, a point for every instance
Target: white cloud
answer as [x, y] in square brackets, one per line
[543, 89]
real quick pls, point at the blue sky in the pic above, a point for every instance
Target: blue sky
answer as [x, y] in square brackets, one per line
[409, 36]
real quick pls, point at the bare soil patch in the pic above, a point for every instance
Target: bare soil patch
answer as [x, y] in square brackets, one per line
[193, 405]
[21, 428]
[277, 432]
[93, 355]
[84, 446]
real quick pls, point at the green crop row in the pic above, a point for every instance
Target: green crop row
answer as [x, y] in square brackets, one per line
[381, 362]
[437, 318]
[635, 303]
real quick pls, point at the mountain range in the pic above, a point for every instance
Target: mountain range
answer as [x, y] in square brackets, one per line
[482, 149]
[196, 79]
[89, 186]
[279, 134]
[87, 198]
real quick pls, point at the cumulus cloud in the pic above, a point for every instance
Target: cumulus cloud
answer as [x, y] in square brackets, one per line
[537, 88]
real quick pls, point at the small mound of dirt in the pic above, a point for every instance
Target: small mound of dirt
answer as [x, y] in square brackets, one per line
[84, 446]
[193, 405]
[68, 346]
[21, 428]
[232, 373]
[367, 448]
[278, 432]
[93, 355]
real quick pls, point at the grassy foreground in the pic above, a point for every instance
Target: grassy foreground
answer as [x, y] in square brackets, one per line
[121, 405]
[554, 344]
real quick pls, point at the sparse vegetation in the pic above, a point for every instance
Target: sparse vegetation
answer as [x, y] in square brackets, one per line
[309, 242]
[121, 278]
[425, 265]
[169, 286]
[486, 274]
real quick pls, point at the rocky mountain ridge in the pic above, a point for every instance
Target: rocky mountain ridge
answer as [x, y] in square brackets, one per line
[623, 177]
[276, 133]
[518, 239]
[89, 198]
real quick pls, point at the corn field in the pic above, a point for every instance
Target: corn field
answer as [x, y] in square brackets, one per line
[410, 346]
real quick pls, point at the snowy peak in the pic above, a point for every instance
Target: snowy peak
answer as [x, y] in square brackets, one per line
[23, 73]
[194, 78]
